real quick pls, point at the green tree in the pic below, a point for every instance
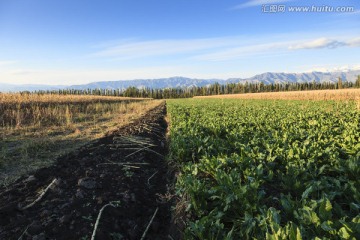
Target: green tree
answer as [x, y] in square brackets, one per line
[339, 83]
[357, 83]
[131, 92]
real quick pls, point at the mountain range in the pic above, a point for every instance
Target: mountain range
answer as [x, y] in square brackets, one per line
[183, 82]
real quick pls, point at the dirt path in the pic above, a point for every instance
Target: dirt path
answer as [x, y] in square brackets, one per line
[126, 169]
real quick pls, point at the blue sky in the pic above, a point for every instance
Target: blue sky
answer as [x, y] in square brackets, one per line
[74, 42]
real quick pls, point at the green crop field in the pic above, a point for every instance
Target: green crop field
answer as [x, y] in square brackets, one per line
[267, 169]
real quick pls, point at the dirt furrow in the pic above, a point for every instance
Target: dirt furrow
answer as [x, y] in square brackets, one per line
[126, 169]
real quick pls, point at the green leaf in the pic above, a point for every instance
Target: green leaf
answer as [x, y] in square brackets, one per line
[355, 207]
[271, 236]
[326, 226]
[274, 215]
[294, 232]
[315, 219]
[291, 153]
[325, 209]
[195, 170]
[343, 233]
[286, 204]
[306, 192]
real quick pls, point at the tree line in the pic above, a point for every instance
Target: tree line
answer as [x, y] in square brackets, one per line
[213, 89]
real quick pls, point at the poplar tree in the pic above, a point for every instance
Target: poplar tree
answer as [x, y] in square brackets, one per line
[357, 83]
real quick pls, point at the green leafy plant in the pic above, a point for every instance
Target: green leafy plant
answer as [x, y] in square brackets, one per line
[267, 169]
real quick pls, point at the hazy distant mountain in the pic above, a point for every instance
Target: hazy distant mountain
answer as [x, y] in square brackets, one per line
[173, 82]
[182, 82]
[269, 78]
[266, 78]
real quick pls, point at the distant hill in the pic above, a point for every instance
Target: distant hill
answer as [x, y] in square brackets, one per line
[183, 82]
[269, 78]
[172, 82]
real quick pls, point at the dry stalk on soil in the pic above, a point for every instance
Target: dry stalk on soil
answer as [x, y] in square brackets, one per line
[40, 196]
[24, 232]
[121, 164]
[98, 219]
[148, 181]
[139, 144]
[148, 226]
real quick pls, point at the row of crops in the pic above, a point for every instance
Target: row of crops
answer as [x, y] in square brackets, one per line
[254, 169]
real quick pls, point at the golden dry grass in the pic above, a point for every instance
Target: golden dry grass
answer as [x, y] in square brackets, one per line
[339, 94]
[10, 98]
[18, 110]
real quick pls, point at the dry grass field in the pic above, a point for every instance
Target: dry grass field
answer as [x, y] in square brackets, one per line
[19, 98]
[35, 130]
[339, 94]
[19, 110]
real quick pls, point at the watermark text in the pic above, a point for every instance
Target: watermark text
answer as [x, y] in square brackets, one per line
[277, 8]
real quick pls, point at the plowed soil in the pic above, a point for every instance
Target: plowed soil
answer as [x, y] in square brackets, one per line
[126, 169]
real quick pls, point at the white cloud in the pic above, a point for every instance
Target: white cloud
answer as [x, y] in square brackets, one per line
[7, 62]
[254, 3]
[326, 43]
[244, 51]
[219, 49]
[138, 49]
[275, 48]
[354, 42]
[318, 43]
[350, 13]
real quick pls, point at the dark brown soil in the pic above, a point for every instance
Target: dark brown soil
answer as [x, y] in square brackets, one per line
[90, 178]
